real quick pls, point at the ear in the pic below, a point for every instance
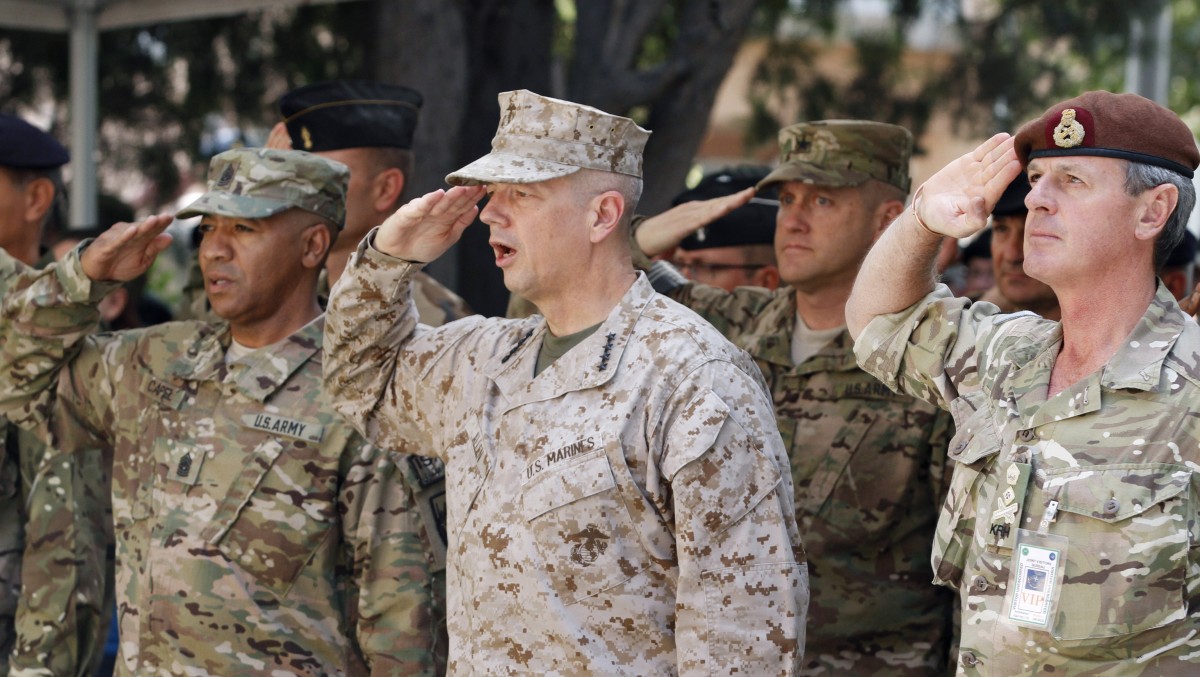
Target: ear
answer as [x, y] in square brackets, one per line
[39, 195]
[885, 213]
[607, 209]
[386, 189]
[1157, 205]
[767, 276]
[317, 240]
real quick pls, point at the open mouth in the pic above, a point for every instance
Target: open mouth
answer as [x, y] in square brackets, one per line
[503, 252]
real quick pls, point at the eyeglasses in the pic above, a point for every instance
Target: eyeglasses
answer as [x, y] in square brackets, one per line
[708, 269]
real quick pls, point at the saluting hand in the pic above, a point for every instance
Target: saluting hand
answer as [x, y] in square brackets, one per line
[279, 138]
[126, 250]
[426, 227]
[957, 200]
[659, 234]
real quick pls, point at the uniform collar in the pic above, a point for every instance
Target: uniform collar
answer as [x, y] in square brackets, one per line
[774, 328]
[1136, 366]
[260, 374]
[590, 364]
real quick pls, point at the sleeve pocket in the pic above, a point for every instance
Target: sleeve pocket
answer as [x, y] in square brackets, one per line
[756, 618]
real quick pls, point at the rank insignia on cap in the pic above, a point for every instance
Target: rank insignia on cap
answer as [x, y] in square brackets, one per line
[227, 175]
[307, 137]
[1069, 133]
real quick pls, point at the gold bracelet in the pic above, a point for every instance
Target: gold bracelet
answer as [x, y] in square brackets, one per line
[917, 217]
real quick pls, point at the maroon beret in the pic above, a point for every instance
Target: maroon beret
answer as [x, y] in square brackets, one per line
[1125, 126]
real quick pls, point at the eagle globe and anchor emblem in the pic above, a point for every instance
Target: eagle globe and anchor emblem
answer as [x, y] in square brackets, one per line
[590, 544]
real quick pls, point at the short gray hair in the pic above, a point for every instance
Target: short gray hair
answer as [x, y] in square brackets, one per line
[1139, 178]
[594, 182]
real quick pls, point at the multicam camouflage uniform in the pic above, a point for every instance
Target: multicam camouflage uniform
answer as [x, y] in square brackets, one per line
[1117, 451]
[622, 513]
[258, 533]
[55, 587]
[868, 467]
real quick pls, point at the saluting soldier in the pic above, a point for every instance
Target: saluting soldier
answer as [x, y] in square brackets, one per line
[54, 591]
[1070, 529]
[619, 497]
[369, 127]
[257, 532]
[868, 465]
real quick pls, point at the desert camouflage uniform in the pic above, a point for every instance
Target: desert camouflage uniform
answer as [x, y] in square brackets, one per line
[57, 553]
[1118, 451]
[258, 533]
[625, 512]
[868, 467]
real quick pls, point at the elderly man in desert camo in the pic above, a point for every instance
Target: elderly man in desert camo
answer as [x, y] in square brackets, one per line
[1070, 528]
[620, 501]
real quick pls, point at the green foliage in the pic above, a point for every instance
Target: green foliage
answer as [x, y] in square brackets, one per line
[171, 86]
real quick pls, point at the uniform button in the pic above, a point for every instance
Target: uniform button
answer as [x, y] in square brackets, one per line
[960, 446]
[969, 659]
[1026, 435]
[980, 583]
[1111, 506]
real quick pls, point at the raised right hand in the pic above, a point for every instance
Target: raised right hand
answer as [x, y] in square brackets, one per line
[423, 229]
[126, 250]
[665, 231]
[958, 199]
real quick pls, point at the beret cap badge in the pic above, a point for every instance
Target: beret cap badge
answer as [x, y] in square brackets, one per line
[1069, 133]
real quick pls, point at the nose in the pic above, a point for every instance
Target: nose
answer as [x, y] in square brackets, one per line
[1014, 247]
[789, 218]
[1039, 197]
[214, 246]
[493, 211]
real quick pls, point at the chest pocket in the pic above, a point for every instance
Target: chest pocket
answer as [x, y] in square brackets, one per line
[974, 450]
[279, 508]
[1127, 555]
[582, 528]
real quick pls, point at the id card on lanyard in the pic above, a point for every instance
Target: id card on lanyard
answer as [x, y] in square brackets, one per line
[1037, 567]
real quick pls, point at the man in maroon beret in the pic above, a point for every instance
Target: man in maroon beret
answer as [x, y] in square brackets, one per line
[1070, 528]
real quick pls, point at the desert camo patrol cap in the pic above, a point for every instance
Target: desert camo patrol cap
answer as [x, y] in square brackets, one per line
[540, 138]
[255, 183]
[841, 153]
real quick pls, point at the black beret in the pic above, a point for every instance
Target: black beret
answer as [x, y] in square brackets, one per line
[1184, 253]
[1012, 202]
[753, 223]
[350, 114]
[23, 146]
[1125, 126]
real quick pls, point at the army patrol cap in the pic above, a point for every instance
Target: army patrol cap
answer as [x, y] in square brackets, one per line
[540, 138]
[1012, 201]
[841, 153]
[751, 224]
[254, 183]
[1103, 124]
[350, 114]
[23, 146]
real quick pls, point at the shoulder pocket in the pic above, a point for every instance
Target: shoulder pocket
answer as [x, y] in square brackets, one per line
[1127, 527]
